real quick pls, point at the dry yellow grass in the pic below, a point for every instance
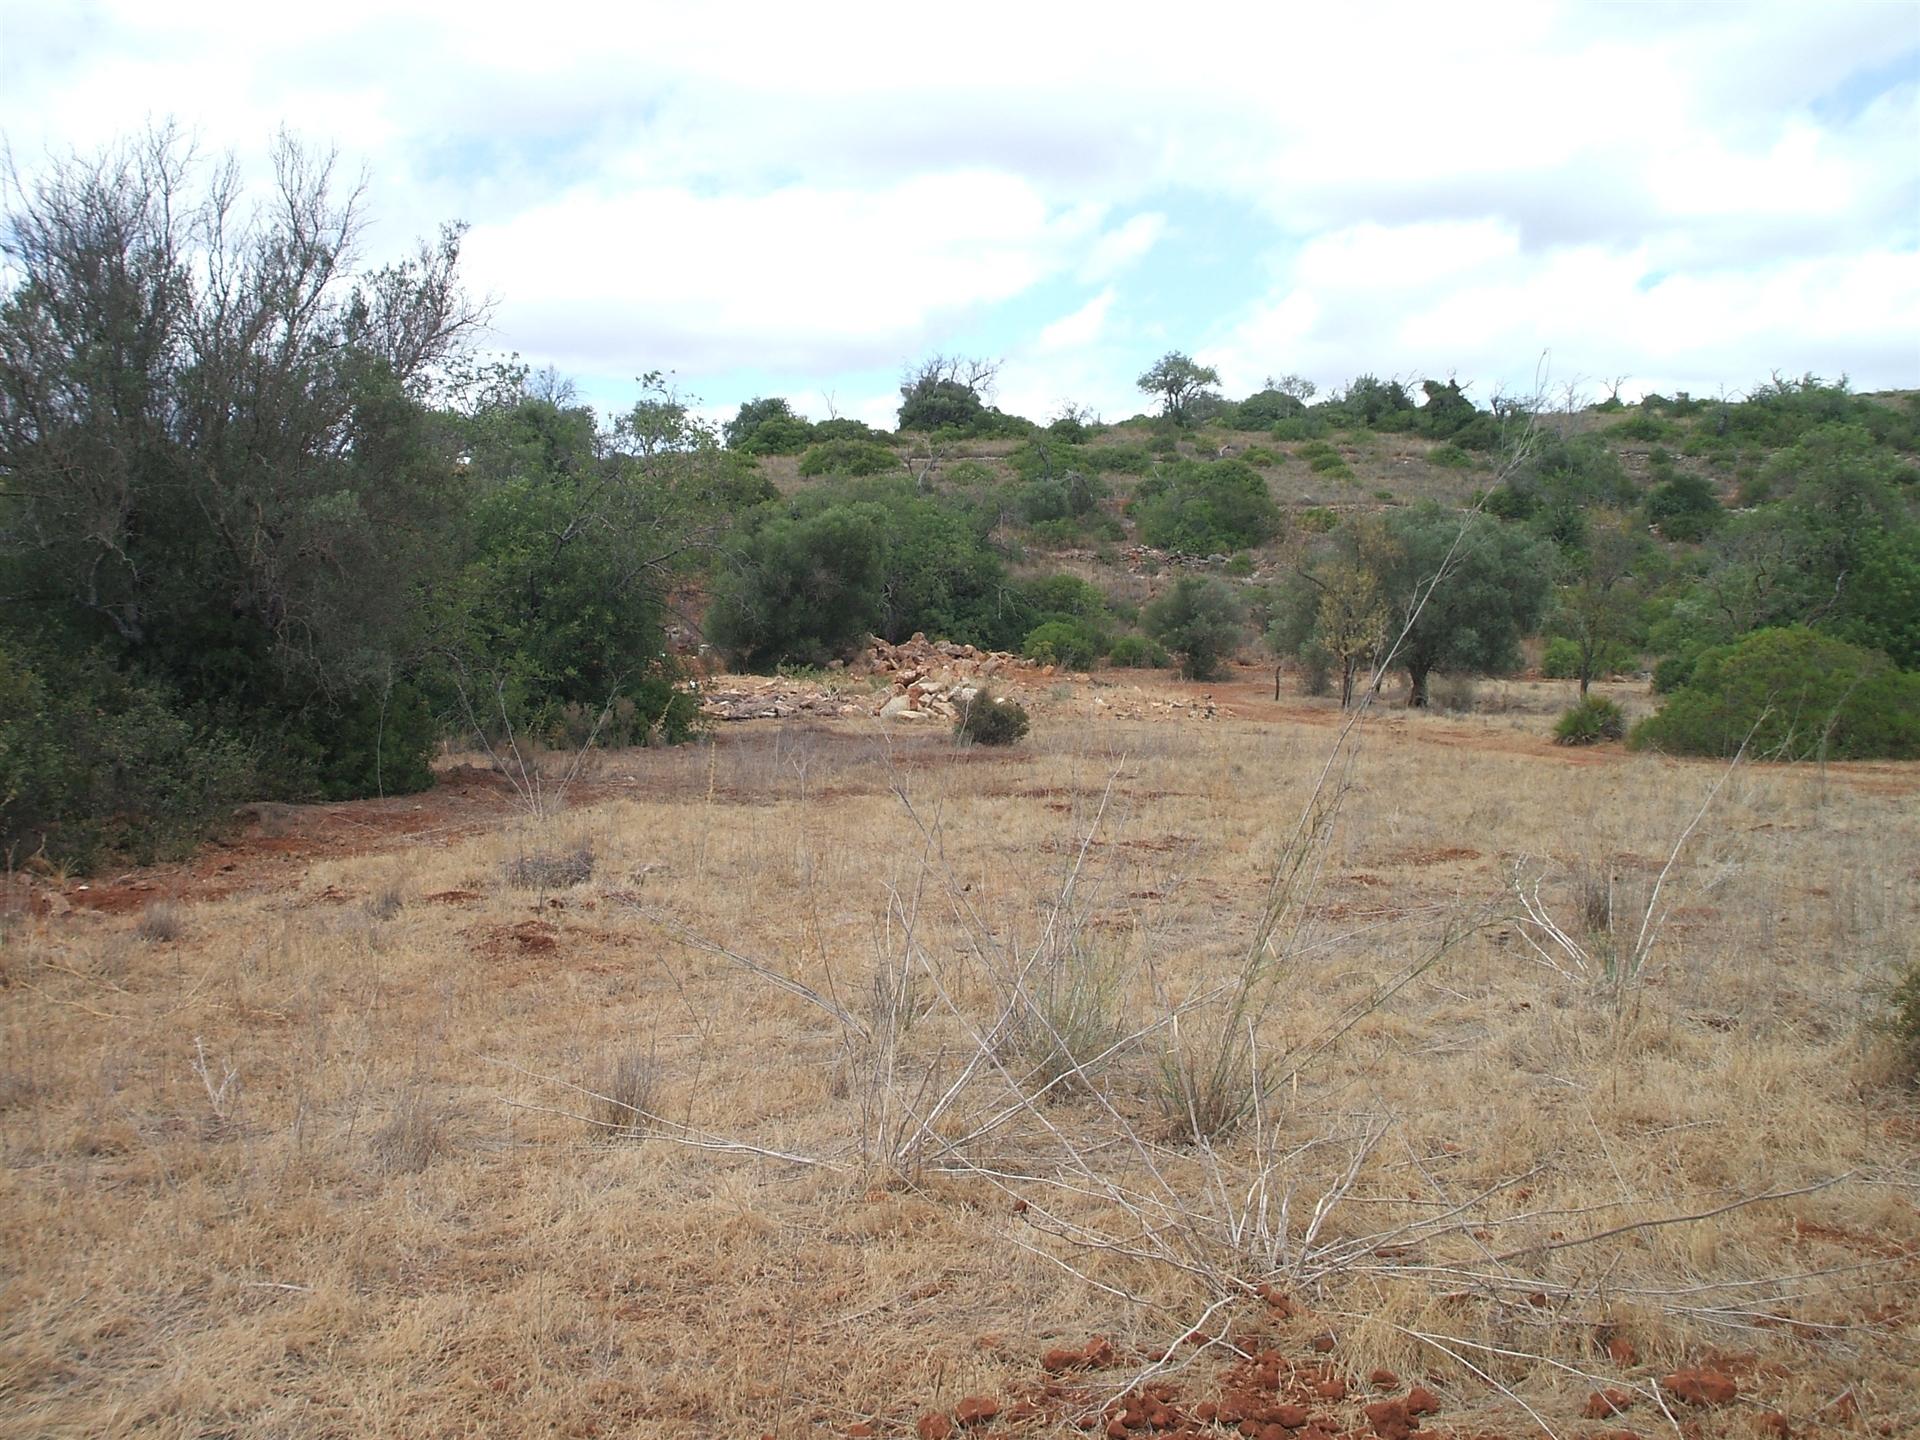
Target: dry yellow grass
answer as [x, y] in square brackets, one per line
[338, 1152]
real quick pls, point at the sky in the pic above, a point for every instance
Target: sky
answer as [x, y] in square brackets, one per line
[806, 200]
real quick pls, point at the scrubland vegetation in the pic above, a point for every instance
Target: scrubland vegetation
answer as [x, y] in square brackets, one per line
[1239, 1039]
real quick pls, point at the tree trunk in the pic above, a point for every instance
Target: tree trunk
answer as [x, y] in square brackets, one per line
[1417, 696]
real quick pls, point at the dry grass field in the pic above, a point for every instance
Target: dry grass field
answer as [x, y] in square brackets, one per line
[820, 1079]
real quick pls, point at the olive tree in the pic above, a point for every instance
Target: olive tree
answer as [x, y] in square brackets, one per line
[1180, 383]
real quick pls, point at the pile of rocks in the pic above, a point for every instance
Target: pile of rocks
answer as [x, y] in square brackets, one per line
[754, 697]
[935, 681]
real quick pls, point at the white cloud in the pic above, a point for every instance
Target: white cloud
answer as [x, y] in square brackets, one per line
[1118, 249]
[1081, 328]
[781, 191]
[857, 276]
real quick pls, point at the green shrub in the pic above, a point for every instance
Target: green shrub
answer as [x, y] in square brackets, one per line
[1790, 694]
[842, 428]
[1594, 719]
[990, 719]
[1901, 1021]
[1561, 661]
[1671, 672]
[1644, 426]
[1199, 620]
[94, 763]
[1298, 427]
[1316, 520]
[1067, 643]
[1684, 507]
[1136, 652]
[848, 457]
[1261, 455]
[1123, 459]
[1202, 509]
[1330, 463]
[1450, 456]
[1316, 669]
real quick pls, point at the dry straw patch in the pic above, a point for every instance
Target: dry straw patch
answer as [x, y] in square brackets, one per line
[837, 1090]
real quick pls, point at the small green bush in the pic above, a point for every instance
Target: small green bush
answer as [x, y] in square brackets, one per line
[1316, 520]
[1790, 694]
[1644, 426]
[94, 762]
[1136, 652]
[1330, 463]
[1260, 455]
[1561, 660]
[1450, 456]
[1316, 669]
[1123, 459]
[1199, 620]
[1594, 719]
[1067, 643]
[991, 719]
[848, 457]
[1901, 1021]
[1298, 427]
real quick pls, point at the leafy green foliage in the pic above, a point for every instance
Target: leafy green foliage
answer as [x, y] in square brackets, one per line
[1199, 620]
[94, 761]
[1183, 385]
[1684, 506]
[1375, 403]
[1592, 720]
[767, 426]
[1136, 652]
[1264, 408]
[1200, 508]
[804, 589]
[810, 577]
[1790, 694]
[1900, 1021]
[1880, 603]
[564, 555]
[848, 457]
[990, 719]
[1070, 644]
[1464, 590]
[224, 479]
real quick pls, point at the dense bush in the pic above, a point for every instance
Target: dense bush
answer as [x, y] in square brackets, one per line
[1300, 427]
[1125, 459]
[1594, 719]
[1136, 652]
[1684, 506]
[767, 426]
[990, 719]
[93, 761]
[1265, 408]
[1202, 508]
[812, 575]
[1900, 1021]
[848, 457]
[1070, 644]
[1562, 657]
[1790, 694]
[840, 428]
[1199, 620]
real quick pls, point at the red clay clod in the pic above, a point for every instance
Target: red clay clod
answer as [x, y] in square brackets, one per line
[934, 1426]
[976, 1410]
[1611, 1401]
[1700, 1387]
